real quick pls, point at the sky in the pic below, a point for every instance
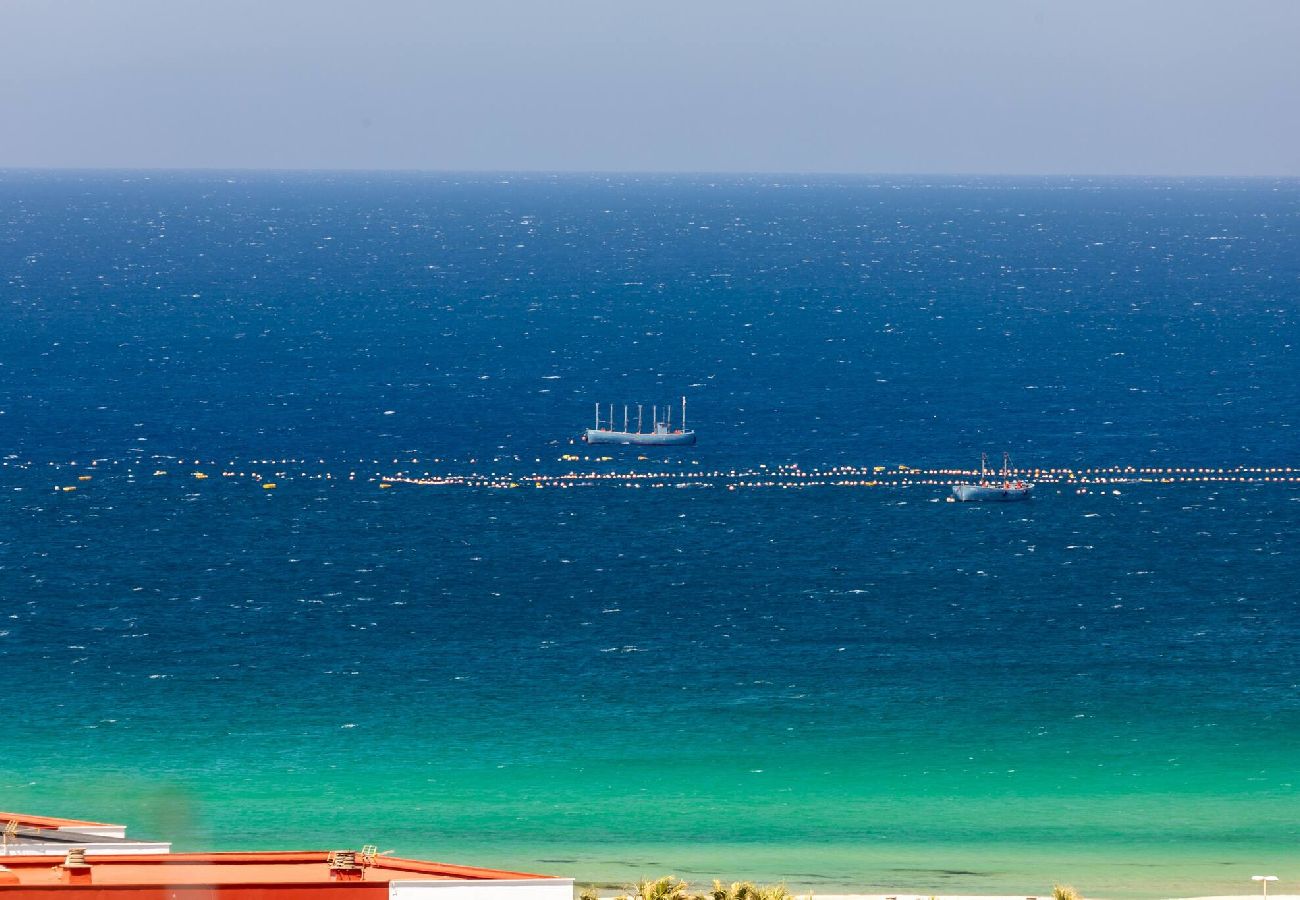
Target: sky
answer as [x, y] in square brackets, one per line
[1095, 87]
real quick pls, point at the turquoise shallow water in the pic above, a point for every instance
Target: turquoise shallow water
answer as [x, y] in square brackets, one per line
[950, 698]
[836, 687]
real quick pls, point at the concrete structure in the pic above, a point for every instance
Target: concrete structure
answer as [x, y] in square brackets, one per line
[26, 835]
[336, 875]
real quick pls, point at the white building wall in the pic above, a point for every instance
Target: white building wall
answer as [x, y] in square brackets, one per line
[113, 831]
[486, 889]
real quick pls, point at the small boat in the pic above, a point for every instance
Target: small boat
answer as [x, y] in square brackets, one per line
[1004, 491]
[661, 433]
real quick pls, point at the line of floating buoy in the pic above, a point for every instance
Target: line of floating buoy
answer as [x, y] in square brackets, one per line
[658, 474]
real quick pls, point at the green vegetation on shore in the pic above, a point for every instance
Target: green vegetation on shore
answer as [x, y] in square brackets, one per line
[670, 887]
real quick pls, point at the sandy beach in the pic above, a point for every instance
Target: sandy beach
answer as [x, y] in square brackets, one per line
[905, 896]
[911, 896]
[908, 896]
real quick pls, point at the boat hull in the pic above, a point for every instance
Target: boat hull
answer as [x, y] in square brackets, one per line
[992, 493]
[665, 439]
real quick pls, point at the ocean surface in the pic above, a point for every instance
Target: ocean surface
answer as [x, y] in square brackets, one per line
[838, 687]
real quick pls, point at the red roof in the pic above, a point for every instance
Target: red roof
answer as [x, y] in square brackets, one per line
[269, 869]
[26, 821]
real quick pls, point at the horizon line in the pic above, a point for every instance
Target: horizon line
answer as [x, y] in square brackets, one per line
[700, 173]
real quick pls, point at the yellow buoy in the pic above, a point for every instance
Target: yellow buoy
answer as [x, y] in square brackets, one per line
[268, 486]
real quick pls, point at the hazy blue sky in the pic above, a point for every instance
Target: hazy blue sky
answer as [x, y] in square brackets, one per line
[1006, 86]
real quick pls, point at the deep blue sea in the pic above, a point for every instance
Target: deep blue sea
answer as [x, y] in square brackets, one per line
[837, 687]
